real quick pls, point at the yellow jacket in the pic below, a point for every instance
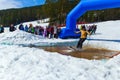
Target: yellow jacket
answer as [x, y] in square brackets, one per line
[84, 33]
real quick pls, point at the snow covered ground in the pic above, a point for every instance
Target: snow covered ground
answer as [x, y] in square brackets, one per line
[27, 39]
[107, 35]
[43, 23]
[24, 63]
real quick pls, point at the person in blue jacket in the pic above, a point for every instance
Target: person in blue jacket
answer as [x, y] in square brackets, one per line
[21, 27]
[26, 28]
[1, 29]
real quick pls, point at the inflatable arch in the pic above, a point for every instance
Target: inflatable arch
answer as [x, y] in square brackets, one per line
[80, 9]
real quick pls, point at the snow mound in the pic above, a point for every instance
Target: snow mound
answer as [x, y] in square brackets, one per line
[37, 64]
[19, 37]
[27, 39]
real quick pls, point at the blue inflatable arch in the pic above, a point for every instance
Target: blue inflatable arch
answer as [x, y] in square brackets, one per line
[80, 9]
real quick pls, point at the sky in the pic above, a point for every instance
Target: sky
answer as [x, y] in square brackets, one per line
[5, 4]
[19, 62]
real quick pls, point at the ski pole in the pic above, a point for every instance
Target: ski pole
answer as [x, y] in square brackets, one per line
[88, 40]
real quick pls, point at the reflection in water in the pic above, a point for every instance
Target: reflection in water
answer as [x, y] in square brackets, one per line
[87, 53]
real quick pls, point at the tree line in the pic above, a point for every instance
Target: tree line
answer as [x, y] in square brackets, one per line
[16, 16]
[57, 11]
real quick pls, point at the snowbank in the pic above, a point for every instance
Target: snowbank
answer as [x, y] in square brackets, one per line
[27, 39]
[107, 35]
[23, 63]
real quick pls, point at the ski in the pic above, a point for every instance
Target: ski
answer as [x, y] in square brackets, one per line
[74, 48]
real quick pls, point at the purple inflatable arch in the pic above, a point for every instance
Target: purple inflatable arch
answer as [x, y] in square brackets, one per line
[80, 9]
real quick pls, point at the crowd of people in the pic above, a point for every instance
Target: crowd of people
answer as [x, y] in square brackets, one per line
[90, 28]
[51, 31]
[11, 28]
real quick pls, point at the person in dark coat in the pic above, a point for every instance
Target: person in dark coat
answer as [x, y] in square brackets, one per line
[12, 28]
[21, 27]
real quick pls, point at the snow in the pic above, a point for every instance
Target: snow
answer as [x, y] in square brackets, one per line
[26, 39]
[20, 62]
[43, 23]
[107, 35]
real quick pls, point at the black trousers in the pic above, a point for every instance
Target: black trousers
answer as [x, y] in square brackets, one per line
[80, 42]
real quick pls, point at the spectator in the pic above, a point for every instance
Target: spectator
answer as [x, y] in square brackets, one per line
[55, 31]
[12, 28]
[31, 29]
[37, 30]
[26, 28]
[1, 29]
[48, 31]
[51, 32]
[45, 32]
[21, 27]
[41, 30]
[94, 29]
[58, 31]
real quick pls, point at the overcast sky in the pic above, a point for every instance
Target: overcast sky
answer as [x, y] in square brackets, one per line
[7, 4]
